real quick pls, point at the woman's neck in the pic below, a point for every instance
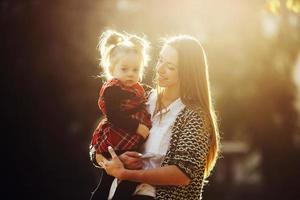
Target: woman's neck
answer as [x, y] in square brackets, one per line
[169, 95]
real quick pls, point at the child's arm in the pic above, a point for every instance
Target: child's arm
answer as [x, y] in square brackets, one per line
[113, 97]
[143, 130]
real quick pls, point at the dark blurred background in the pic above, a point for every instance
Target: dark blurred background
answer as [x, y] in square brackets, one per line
[49, 98]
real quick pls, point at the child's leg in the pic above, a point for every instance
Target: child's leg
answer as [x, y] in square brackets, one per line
[125, 190]
[103, 187]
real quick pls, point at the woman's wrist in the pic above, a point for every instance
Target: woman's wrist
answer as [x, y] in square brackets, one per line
[123, 174]
[132, 175]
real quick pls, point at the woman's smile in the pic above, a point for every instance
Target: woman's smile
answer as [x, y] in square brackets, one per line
[161, 78]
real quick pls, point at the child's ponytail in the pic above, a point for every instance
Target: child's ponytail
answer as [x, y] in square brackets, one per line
[141, 45]
[112, 44]
[108, 40]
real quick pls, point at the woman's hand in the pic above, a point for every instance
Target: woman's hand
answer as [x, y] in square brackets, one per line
[131, 160]
[113, 167]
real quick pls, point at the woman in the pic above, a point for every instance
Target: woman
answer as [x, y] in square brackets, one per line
[184, 138]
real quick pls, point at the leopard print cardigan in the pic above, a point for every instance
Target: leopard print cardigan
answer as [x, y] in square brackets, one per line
[188, 150]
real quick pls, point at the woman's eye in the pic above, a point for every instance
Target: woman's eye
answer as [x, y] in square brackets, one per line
[170, 67]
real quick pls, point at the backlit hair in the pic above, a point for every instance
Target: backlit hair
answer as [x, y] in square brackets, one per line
[114, 45]
[194, 87]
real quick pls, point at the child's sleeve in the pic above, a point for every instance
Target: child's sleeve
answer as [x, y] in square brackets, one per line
[112, 100]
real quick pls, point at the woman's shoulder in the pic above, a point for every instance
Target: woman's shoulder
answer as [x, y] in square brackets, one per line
[196, 112]
[197, 115]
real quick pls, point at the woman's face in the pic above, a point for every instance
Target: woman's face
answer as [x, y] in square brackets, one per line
[167, 72]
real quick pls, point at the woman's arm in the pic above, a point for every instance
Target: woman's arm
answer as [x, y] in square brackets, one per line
[130, 159]
[189, 155]
[167, 175]
[188, 161]
[190, 152]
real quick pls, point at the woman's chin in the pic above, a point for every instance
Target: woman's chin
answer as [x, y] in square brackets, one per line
[162, 83]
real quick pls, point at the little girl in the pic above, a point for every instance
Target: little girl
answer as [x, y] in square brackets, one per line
[126, 122]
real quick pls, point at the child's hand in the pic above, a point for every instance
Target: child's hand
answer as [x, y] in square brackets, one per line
[143, 130]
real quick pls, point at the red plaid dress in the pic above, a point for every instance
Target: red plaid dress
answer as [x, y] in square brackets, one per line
[109, 134]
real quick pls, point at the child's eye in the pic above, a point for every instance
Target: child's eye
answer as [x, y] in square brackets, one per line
[135, 69]
[123, 69]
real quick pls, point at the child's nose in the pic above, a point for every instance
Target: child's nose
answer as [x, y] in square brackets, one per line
[130, 73]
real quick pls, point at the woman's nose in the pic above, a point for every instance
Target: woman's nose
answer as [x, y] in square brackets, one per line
[160, 68]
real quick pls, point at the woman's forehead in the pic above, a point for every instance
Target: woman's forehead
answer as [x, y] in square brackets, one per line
[169, 54]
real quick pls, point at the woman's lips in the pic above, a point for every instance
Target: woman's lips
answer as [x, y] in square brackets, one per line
[161, 78]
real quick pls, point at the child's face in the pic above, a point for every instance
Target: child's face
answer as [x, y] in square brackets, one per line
[127, 69]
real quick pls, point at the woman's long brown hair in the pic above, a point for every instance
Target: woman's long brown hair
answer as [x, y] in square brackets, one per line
[194, 87]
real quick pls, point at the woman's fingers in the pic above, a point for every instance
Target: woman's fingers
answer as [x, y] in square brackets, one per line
[112, 152]
[133, 154]
[100, 157]
[131, 160]
[136, 165]
[114, 166]
[101, 160]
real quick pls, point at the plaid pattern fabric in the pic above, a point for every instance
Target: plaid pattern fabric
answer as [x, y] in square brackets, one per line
[106, 134]
[137, 100]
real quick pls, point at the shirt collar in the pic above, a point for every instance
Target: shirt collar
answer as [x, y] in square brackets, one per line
[175, 107]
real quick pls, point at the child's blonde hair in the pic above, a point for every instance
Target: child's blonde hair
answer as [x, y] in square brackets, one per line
[113, 45]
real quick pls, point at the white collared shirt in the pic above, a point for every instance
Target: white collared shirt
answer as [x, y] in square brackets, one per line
[158, 140]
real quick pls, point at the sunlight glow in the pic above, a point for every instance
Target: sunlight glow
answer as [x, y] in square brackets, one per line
[297, 81]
